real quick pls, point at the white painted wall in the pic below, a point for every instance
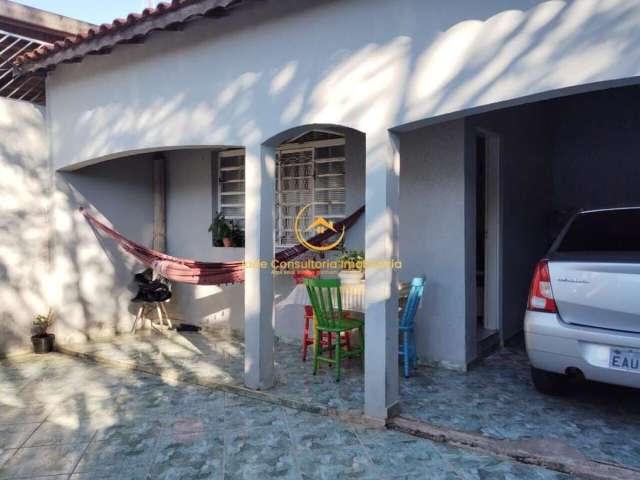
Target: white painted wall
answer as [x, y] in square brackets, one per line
[191, 204]
[366, 64]
[189, 214]
[24, 231]
[432, 237]
[92, 277]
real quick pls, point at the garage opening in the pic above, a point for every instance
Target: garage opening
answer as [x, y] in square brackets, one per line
[554, 158]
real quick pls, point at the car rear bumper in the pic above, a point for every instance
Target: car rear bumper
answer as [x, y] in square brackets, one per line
[555, 346]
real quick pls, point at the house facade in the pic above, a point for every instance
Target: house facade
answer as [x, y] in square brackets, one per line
[467, 129]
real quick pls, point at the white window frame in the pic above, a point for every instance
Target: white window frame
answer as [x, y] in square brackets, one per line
[285, 148]
[303, 147]
[221, 195]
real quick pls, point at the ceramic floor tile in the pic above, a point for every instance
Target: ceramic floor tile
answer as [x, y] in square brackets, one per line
[397, 454]
[259, 453]
[188, 456]
[6, 454]
[40, 461]
[129, 458]
[56, 433]
[26, 413]
[475, 466]
[246, 414]
[13, 436]
[130, 433]
[195, 409]
[130, 409]
[329, 449]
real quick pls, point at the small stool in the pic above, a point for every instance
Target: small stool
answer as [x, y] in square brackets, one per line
[148, 307]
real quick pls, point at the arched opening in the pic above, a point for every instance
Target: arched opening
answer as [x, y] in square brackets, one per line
[309, 171]
[162, 199]
[322, 167]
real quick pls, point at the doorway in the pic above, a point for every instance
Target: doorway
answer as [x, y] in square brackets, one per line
[488, 235]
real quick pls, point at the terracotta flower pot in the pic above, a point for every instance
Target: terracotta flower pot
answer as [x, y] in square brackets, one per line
[227, 242]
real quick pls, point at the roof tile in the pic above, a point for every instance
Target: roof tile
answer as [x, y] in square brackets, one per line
[119, 24]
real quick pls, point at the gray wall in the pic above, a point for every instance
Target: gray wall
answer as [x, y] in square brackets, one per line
[596, 145]
[24, 224]
[527, 185]
[557, 156]
[432, 236]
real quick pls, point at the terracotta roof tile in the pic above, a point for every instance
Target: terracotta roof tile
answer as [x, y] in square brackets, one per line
[102, 38]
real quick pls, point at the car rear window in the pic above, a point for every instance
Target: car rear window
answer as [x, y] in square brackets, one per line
[604, 231]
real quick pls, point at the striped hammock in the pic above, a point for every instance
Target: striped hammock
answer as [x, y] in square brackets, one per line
[183, 270]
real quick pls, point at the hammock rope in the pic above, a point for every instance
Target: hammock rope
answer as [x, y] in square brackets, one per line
[184, 270]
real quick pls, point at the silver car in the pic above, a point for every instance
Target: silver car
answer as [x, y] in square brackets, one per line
[583, 312]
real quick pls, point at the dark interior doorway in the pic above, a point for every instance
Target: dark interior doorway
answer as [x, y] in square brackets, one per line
[481, 181]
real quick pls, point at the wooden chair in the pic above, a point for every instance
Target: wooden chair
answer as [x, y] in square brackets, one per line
[327, 307]
[407, 324]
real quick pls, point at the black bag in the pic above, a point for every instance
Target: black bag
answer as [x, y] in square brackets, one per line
[150, 290]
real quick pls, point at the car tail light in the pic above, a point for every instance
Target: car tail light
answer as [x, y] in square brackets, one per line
[541, 295]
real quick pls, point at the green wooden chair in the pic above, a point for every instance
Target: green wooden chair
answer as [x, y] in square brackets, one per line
[327, 307]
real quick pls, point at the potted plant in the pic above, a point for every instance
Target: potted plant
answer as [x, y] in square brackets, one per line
[42, 340]
[222, 231]
[352, 266]
[237, 235]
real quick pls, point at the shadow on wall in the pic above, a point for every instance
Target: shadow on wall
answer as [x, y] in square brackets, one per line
[94, 278]
[369, 80]
[24, 226]
[209, 306]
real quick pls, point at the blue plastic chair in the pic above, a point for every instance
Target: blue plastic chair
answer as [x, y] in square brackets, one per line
[407, 324]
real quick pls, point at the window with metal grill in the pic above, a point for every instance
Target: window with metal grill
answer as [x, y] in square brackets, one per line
[309, 173]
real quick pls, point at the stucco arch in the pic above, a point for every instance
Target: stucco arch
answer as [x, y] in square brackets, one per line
[281, 137]
[140, 152]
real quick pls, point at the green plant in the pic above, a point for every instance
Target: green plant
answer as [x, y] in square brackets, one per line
[42, 323]
[352, 260]
[220, 229]
[237, 235]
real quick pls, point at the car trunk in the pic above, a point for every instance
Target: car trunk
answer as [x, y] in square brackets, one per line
[602, 294]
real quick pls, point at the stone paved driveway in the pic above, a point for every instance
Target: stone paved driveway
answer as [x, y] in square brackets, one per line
[497, 399]
[62, 417]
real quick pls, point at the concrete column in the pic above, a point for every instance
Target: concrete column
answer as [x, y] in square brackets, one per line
[381, 391]
[258, 285]
[160, 203]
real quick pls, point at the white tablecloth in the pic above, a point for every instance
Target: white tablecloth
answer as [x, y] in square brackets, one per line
[352, 297]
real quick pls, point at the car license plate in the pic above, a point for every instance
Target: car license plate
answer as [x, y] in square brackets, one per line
[625, 360]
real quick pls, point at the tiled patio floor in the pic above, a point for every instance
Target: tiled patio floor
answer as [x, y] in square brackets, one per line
[65, 418]
[495, 398]
[498, 399]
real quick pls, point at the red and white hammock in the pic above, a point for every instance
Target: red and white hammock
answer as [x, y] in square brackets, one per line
[205, 273]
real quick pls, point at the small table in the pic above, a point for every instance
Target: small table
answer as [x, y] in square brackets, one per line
[352, 297]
